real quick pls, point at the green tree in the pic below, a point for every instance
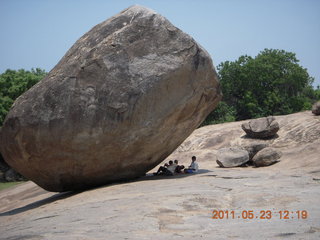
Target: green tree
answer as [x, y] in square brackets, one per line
[223, 113]
[13, 83]
[272, 83]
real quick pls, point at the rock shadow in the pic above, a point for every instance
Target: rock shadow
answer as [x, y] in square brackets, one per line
[245, 136]
[178, 175]
[64, 195]
[39, 203]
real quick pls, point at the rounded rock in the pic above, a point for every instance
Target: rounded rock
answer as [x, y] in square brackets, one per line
[123, 98]
[254, 148]
[232, 157]
[261, 128]
[316, 108]
[266, 157]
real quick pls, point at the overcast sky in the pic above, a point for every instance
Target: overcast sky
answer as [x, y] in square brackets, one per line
[37, 33]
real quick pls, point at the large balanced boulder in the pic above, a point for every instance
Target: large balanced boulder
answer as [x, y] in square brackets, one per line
[123, 98]
[316, 108]
[261, 128]
[232, 157]
[266, 157]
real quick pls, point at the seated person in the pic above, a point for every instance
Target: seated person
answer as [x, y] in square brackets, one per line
[179, 167]
[167, 169]
[193, 166]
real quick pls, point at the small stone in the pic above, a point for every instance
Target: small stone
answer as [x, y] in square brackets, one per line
[316, 108]
[12, 176]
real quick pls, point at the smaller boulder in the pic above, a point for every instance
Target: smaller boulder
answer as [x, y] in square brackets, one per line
[316, 108]
[261, 128]
[12, 176]
[232, 157]
[266, 157]
[3, 168]
[254, 148]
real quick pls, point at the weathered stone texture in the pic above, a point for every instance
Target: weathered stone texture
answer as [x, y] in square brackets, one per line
[232, 157]
[261, 128]
[125, 95]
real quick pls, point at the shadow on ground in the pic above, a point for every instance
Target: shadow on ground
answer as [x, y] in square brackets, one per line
[39, 203]
[178, 175]
[65, 195]
[245, 136]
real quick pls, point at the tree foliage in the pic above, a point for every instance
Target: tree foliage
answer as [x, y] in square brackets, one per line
[272, 83]
[13, 83]
[223, 113]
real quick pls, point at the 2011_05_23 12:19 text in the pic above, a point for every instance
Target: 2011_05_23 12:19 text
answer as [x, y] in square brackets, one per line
[262, 214]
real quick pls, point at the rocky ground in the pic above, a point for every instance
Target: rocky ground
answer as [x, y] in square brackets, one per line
[180, 207]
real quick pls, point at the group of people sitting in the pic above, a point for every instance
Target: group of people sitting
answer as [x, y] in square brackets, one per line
[173, 167]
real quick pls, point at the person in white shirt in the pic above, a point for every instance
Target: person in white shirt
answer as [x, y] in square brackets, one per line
[194, 167]
[167, 169]
[171, 168]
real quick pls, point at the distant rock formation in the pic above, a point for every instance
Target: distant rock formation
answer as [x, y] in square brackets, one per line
[123, 98]
[250, 154]
[261, 128]
[316, 108]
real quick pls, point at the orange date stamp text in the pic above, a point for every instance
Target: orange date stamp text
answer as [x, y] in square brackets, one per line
[262, 214]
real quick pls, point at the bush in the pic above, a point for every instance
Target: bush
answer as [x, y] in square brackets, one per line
[223, 113]
[13, 83]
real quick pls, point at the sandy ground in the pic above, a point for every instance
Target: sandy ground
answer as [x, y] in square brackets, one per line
[181, 206]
